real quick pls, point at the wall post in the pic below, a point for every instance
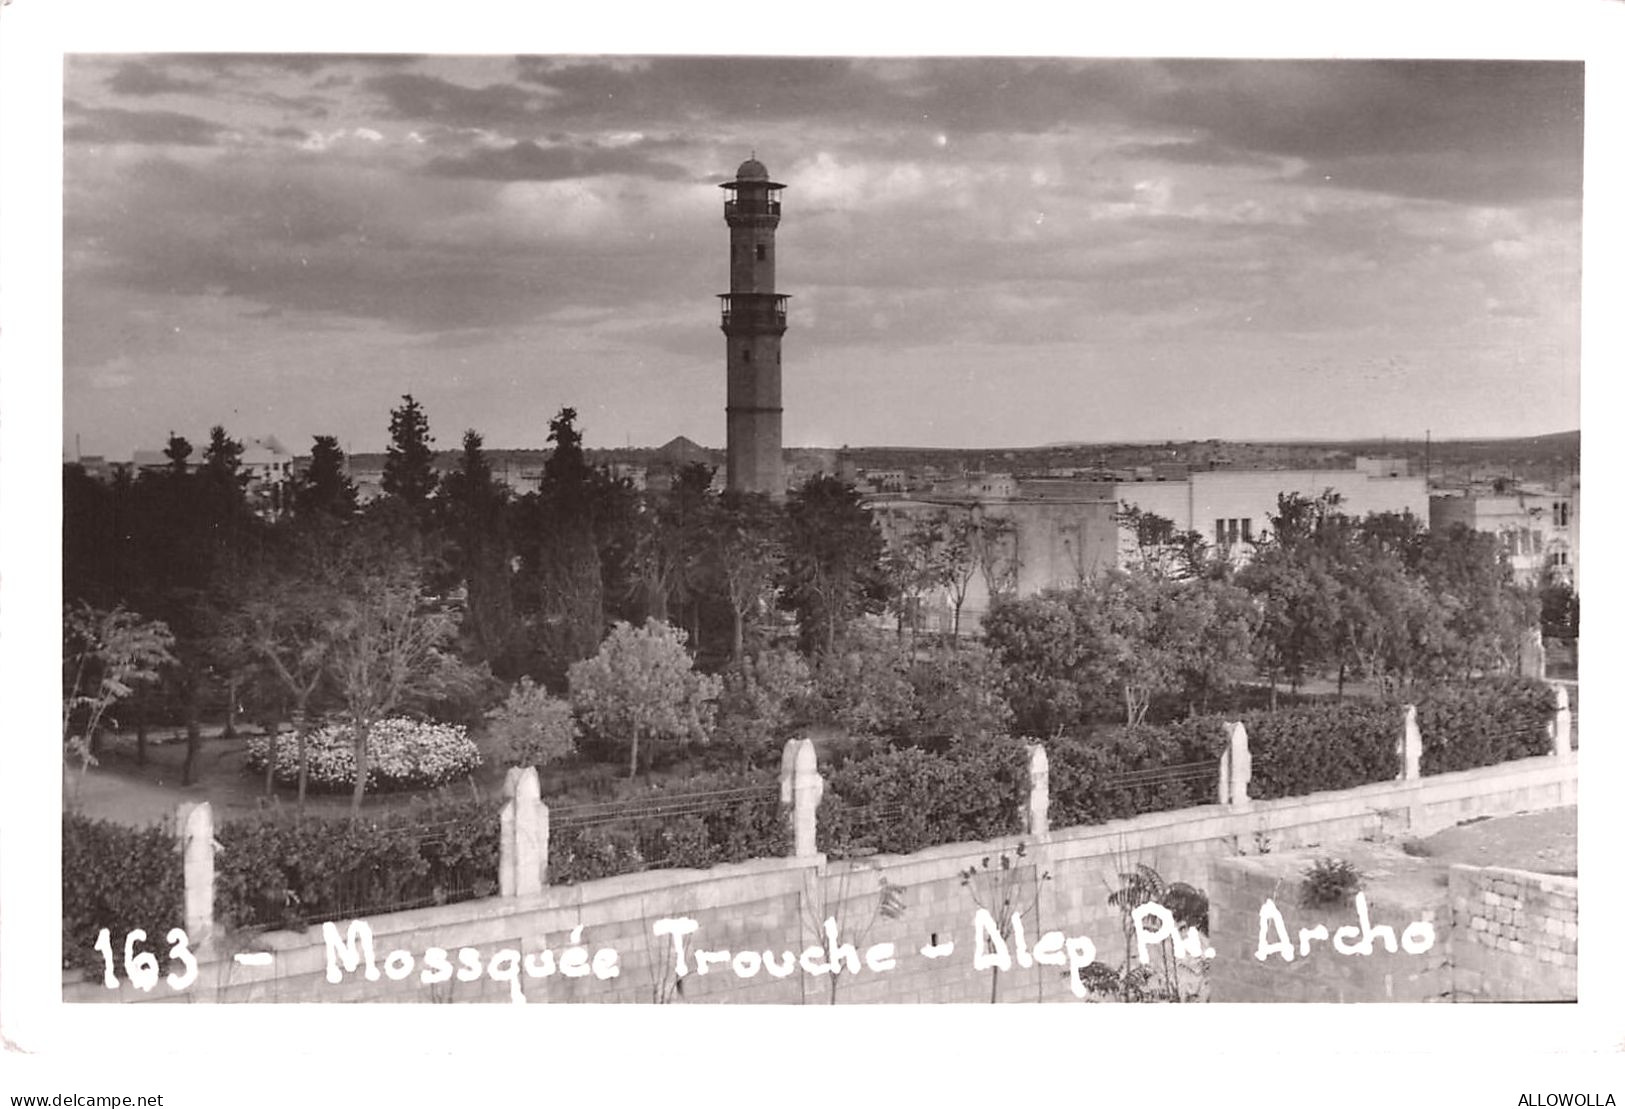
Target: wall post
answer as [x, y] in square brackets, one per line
[195, 824]
[1410, 748]
[1236, 769]
[1561, 728]
[1035, 815]
[530, 834]
[807, 789]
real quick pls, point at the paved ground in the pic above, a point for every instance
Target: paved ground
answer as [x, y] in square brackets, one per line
[121, 790]
[1545, 842]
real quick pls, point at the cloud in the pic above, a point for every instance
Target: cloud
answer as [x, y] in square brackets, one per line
[422, 97]
[119, 125]
[529, 161]
[1201, 152]
[139, 78]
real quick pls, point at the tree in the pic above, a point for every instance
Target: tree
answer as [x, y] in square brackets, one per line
[1119, 638]
[959, 557]
[747, 557]
[223, 457]
[833, 570]
[474, 511]
[177, 450]
[914, 563]
[409, 473]
[669, 544]
[642, 684]
[325, 490]
[387, 649]
[531, 727]
[287, 611]
[565, 554]
[106, 655]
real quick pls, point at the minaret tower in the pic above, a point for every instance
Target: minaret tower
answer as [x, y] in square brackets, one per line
[753, 319]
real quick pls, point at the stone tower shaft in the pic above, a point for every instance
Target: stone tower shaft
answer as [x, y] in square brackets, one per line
[754, 318]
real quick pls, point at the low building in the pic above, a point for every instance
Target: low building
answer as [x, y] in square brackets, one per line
[1538, 526]
[1056, 532]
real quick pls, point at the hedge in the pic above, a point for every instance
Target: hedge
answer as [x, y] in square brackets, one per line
[629, 834]
[1489, 722]
[119, 878]
[1338, 746]
[277, 873]
[904, 799]
[1085, 772]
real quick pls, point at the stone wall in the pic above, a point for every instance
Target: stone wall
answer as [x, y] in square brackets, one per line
[1515, 935]
[1241, 891]
[1059, 880]
[1498, 934]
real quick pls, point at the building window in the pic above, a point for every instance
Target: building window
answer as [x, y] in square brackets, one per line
[1247, 530]
[761, 252]
[1561, 511]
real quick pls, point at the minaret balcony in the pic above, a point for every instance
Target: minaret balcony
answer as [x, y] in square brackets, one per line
[749, 207]
[754, 313]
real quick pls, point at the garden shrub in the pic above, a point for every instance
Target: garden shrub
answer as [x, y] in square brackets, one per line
[278, 873]
[402, 754]
[727, 830]
[904, 799]
[1329, 883]
[1484, 723]
[1085, 771]
[119, 878]
[1327, 747]
[532, 727]
[763, 699]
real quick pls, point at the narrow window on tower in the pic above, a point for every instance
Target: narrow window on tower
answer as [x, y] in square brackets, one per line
[761, 252]
[744, 354]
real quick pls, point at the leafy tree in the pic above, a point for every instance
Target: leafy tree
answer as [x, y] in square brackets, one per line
[288, 606]
[642, 685]
[106, 655]
[914, 563]
[833, 571]
[958, 695]
[1559, 610]
[325, 490]
[764, 696]
[409, 473]
[1294, 571]
[531, 727]
[670, 544]
[388, 649]
[746, 556]
[865, 688]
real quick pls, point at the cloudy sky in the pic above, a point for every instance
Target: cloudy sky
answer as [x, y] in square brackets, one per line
[980, 252]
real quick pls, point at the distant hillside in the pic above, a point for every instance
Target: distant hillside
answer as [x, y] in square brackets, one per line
[1538, 457]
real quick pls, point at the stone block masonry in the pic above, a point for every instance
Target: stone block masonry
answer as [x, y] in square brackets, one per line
[1515, 935]
[917, 903]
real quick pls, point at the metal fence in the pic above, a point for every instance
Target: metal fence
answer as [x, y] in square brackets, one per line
[296, 874]
[698, 828]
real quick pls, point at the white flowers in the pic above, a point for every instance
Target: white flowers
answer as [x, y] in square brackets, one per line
[401, 753]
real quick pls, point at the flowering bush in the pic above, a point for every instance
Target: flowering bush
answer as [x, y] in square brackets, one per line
[401, 754]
